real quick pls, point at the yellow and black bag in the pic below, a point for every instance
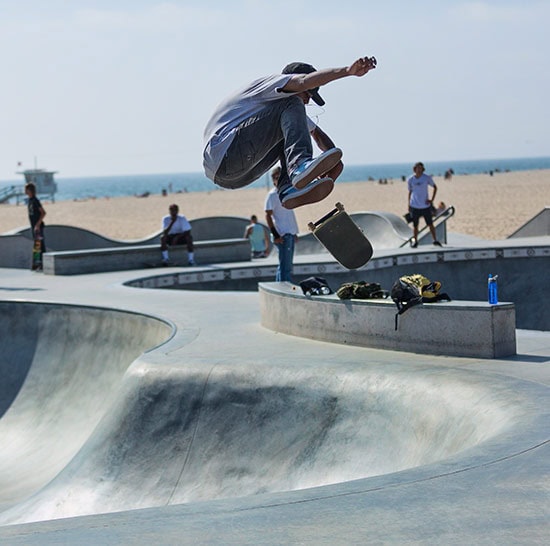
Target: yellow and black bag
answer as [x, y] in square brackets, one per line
[411, 290]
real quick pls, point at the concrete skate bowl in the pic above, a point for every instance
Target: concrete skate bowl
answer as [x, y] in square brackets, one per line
[182, 432]
[61, 367]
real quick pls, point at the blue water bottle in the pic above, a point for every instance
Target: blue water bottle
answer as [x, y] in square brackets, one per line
[492, 289]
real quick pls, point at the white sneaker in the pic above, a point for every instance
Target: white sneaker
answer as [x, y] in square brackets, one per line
[315, 191]
[309, 170]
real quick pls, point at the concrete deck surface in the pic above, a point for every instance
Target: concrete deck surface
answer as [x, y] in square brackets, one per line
[228, 433]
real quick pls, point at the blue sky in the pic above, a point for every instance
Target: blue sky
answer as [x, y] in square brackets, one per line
[121, 87]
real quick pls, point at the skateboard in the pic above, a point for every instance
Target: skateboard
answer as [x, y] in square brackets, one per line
[343, 238]
[37, 254]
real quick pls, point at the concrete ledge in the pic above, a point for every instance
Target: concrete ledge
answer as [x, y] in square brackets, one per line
[101, 260]
[457, 328]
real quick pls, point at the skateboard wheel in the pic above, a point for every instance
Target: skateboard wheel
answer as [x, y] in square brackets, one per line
[339, 206]
[311, 226]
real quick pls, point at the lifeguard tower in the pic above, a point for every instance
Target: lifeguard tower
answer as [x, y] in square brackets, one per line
[43, 180]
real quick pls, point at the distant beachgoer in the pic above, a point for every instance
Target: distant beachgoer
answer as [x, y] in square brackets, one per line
[36, 214]
[266, 122]
[257, 235]
[176, 230]
[441, 207]
[284, 228]
[420, 204]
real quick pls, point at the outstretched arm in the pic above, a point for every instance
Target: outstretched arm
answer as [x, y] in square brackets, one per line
[304, 82]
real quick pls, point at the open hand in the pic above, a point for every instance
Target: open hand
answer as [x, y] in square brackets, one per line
[361, 66]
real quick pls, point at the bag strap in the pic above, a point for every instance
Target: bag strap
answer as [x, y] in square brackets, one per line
[404, 306]
[167, 230]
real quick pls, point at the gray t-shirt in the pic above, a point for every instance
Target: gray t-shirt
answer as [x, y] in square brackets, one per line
[250, 100]
[419, 190]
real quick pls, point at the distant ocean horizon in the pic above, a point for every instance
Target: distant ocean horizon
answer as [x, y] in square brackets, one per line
[76, 188]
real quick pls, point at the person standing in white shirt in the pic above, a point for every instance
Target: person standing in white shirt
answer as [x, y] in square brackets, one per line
[284, 229]
[420, 204]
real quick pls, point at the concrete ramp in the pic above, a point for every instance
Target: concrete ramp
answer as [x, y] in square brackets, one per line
[384, 230]
[61, 368]
[60, 237]
[538, 226]
[179, 432]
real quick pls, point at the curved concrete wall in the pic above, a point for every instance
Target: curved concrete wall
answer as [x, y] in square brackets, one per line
[463, 272]
[16, 247]
[457, 328]
[384, 230]
[222, 227]
[61, 367]
[180, 434]
[60, 238]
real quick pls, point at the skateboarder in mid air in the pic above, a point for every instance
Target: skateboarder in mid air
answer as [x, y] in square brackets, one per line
[266, 122]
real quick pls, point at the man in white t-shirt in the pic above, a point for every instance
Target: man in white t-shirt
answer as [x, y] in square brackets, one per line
[284, 228]
[420, 204]
[176, 230]
[265, 123]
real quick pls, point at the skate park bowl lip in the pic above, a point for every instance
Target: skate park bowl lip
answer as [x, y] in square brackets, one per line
[171, 431]
[60, 366]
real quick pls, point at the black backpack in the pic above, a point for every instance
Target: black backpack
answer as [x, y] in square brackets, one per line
[315, 286]
[410, 290]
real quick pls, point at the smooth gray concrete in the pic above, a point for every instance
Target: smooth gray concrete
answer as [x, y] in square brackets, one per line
[223, 227]
[229, 433]
[61, 237]
[60, 367]
[16, 245]
[78, 262]
[15, 251]
[456, 328]
[384, 230]
[462, 267]
[537, 226]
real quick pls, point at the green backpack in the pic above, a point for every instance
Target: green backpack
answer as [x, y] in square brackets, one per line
[361, 290]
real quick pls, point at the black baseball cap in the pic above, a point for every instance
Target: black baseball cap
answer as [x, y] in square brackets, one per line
[304, 68]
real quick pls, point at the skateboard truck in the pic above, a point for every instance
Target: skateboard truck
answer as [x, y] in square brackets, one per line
[337, 208]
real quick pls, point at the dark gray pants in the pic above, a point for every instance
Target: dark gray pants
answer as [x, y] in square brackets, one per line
[278, 133]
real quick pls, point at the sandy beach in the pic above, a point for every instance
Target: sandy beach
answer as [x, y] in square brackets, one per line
[491, 207]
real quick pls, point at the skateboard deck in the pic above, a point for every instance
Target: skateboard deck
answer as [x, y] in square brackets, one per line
[37, 255]
[343, 238]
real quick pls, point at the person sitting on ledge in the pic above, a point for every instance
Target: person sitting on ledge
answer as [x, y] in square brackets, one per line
[259, 241]
[176, 230]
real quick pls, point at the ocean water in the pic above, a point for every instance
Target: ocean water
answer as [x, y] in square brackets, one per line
[117, 186]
